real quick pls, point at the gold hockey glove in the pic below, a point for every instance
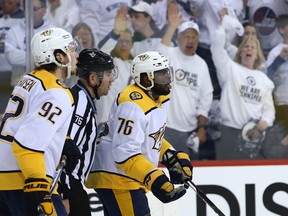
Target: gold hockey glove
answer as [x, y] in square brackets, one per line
[179, 166]
[157, 182]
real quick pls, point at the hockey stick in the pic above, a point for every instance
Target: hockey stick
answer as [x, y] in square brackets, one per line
[60, 170]
[55, 181]
[104, 130]
[202, 195]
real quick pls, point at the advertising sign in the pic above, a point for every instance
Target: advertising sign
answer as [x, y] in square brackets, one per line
[255, 189]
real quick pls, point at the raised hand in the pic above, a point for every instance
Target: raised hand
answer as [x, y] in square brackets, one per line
[174, 19]
[121, 22]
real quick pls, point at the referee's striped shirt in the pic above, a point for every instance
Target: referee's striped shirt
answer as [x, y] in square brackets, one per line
[83, 129]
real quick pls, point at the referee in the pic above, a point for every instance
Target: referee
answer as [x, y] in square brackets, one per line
[94, 70]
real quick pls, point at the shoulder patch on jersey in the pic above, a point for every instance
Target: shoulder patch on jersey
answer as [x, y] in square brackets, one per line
[135, 95]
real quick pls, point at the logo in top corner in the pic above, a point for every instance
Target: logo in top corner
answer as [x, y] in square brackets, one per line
[92, 54]
[143, 57]
[135, 95]
[62, 84]
[47, 32]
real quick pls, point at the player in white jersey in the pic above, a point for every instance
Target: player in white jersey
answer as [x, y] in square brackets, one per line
[126, 161]
[34, 126]
[246, 94]
[94, 69]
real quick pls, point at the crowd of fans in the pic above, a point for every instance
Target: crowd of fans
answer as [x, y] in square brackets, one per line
[230, 61]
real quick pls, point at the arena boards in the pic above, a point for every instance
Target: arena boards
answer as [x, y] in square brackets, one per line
[246, 188]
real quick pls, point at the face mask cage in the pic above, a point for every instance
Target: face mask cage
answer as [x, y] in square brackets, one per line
[164, 76]
[115, 72]
[73, 46]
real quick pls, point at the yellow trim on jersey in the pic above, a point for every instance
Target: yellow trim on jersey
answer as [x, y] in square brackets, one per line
[32, 164]
[165, 146]
[15, 181]
[137, 167]
[124, 201]
[49, 81]
[103, 179]
[135, 94]
[11, 180]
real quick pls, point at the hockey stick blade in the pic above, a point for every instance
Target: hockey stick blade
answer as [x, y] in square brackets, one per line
[203, 196]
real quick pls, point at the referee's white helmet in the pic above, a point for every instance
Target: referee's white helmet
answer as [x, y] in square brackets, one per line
[148, 62]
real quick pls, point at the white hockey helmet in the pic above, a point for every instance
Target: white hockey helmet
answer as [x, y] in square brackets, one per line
[148, 62]
[44, 43]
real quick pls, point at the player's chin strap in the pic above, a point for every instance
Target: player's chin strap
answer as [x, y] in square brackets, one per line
[68, 65]
[95, 88]
[151, 95]
[148, 89]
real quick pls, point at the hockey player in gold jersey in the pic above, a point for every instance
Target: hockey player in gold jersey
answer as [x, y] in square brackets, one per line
[126, 163]
[34, 127]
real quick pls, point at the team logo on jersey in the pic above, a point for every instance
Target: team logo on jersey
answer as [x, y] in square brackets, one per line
[251, 80]
[143, 57]
[135, 95]
[158, 136]
[62, 84]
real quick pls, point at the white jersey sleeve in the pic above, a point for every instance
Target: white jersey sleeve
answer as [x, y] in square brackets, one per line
[220, 56]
